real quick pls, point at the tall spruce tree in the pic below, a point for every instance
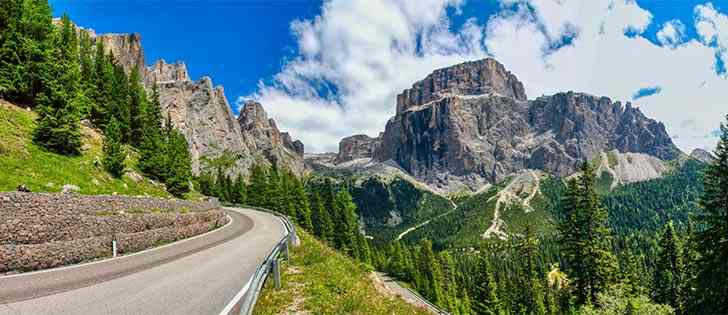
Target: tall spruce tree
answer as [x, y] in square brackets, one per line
[669, 270]
[114, 153]
[137, 108]
[303, 207]
[533, 293]
[585, 238]
[58, 118]
[26, 46]
[431, 273]
[484, 298]
[712, 241]
[152, 149]
[258, 186]
[323, 226]
[179, 164]
[346, 225]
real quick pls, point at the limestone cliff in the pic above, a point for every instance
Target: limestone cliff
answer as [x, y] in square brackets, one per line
[202, 112]
[266, 137]
[471, 124]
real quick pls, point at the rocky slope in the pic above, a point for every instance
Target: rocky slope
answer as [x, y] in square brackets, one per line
[702, 156]
[266, 138]
[357, 147]
[471, 124]
[203, 114]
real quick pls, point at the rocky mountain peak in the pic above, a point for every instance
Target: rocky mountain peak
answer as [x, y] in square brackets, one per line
[203, 114]
[471, 124]
[162, 72]
[267, 138]
[702, 156]
[486, 76]
[126, 49]
[357, 147]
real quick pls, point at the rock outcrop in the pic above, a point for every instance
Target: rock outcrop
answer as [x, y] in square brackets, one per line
[126, 49]
[357, 147]
[472, 124]
[266, 138]
[702, 156]
[203, 114]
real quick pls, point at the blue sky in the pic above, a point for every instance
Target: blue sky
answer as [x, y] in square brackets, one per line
[333, 69]
[236, 43]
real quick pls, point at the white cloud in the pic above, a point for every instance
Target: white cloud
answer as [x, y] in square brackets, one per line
[712, 27]
[370, 50]
[671, 34]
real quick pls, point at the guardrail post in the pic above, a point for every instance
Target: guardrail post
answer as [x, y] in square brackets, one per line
[113, 247]
[286, 250]
[275, 265]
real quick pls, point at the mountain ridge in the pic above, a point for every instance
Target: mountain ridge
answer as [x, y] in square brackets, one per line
[201, 111]
[471, 124]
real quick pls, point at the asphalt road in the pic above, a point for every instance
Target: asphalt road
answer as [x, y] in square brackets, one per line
[201, 275]
[408, 295]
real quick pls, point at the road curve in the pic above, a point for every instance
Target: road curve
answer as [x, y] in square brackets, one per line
[196, 276]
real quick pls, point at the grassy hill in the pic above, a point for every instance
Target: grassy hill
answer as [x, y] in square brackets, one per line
[319, 280]
[24, 163]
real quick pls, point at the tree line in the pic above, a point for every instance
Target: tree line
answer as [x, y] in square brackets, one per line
[324, 209]
[66, 77]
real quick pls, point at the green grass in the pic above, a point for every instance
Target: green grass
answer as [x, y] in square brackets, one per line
[24, 163]
[319, 280]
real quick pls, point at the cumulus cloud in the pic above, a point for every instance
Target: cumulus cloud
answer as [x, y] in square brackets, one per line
[671, 34]
[358, 54]
[712, 27]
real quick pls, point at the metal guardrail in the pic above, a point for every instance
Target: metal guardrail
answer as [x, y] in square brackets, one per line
[270, 264]
[434, 308]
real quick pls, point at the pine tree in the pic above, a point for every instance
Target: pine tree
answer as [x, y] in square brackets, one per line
[58, 124]
[114, 153]
[26, 46]
[137, 108]
[431, 272]
[258, 186]
[120, 99]
[669, 270]
[323, 226]
[103, 96]
[346, 227]
[303, 208]
[534, 299]
[272, 194]
[239, 191]
[179, 165]
[690, 259]
[485, 297]
[585, 238]
[712, 242]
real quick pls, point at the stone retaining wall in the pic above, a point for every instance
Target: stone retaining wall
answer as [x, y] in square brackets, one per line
[39, 231]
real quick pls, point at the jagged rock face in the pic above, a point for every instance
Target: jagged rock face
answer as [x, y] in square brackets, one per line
[162, 72]
[471, 134]
[702, 156]
[471, 78]
[357, 147]
[127, 50]
[202, 113]
[295, 146]
[266, 138]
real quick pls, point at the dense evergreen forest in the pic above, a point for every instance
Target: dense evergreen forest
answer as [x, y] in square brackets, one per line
[634, 250]
[68, 77]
